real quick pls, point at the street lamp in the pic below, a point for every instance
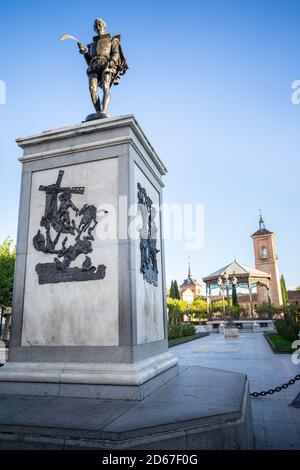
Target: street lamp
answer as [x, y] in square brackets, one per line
[221, 286]
[226, 285]
[230, 322]
[188, 311]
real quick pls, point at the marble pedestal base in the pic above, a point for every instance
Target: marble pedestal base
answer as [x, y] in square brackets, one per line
[231, 333]
[113, 381]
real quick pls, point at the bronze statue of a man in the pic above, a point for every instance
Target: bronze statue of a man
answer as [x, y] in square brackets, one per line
[106, 65]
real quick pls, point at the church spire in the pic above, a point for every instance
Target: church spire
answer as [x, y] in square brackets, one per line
[262, 228]
[189, 269]
[261, 221]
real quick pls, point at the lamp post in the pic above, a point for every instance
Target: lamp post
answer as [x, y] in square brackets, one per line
[230, 331]
[230, 321]
[188, 310]
[221, 286]
[226, 285]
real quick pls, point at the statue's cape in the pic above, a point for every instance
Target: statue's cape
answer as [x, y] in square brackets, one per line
[122, 66]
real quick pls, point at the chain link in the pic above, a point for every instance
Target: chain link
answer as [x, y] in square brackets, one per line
[277, 389]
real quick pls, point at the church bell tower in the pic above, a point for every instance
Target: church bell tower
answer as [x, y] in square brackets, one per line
[266, 260]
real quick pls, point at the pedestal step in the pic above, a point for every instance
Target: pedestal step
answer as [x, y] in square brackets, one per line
[114, 381]
[199, 409]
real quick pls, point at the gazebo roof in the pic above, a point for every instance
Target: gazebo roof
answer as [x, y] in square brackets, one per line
[243, 273]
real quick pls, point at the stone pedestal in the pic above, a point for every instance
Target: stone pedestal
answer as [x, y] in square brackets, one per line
[89, 313]
[231, 332]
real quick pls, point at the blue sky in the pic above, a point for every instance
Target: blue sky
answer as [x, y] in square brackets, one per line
[210, 84]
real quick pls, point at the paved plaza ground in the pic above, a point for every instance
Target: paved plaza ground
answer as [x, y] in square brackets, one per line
[276, 424]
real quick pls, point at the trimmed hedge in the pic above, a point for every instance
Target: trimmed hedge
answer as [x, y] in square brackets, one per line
[186, 339]
[287, 328]
[180, 330]
[278, 344]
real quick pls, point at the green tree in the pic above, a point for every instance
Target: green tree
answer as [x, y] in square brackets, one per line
[298, 288]
[235, 301]
[172, 295]
[263, 309]
[217, 306]
[237, 311]
[176, 308]
[289, 326]
[283, 290]
[198, 306]
[7, 266]
[176, 291]
[290, 310]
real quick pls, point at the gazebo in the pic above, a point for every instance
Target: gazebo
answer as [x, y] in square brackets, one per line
[245, 276]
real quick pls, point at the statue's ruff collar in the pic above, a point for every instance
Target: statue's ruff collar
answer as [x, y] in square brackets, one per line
[101, 36]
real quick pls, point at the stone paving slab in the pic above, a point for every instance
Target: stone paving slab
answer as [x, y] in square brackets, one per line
[13, 406]
[66, 413]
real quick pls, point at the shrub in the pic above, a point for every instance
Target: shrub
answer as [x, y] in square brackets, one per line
[188, 329]
[263, 310]
[7, 266]
[237, 311]
[180, 330]
[176, 310]
[287, 328]
[217, 306]
[199, 307]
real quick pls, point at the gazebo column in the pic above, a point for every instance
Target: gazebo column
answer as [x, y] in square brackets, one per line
[208, 302]
[251, 300]
[223, 304]
[270, 315]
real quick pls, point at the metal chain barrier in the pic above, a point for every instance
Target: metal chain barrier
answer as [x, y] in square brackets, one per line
[277, 389]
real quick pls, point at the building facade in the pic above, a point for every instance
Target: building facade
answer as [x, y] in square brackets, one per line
[294, 297]
[266, 259]
[190, 288]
